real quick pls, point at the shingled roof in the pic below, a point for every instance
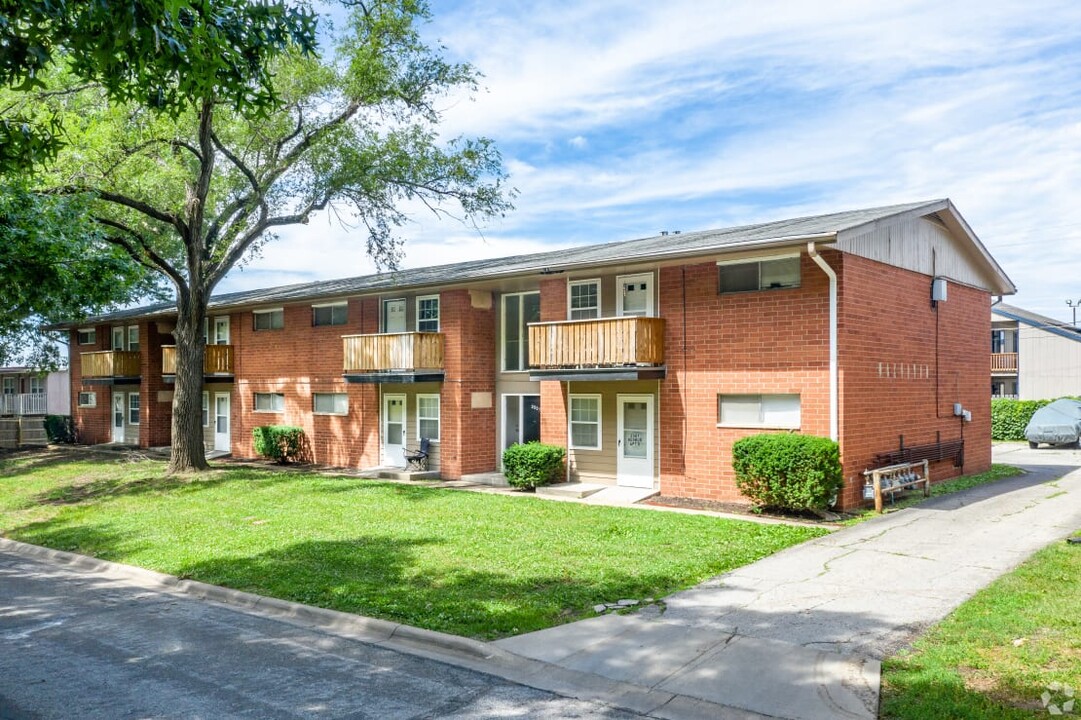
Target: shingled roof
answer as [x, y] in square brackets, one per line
[1042, 322]
[795, 231]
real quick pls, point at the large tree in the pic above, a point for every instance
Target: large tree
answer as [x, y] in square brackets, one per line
[191, 193]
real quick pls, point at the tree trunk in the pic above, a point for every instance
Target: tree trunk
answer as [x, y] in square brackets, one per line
[188, 453]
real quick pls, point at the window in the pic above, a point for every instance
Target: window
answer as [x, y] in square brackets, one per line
[206, 409]
[118, 338]
[87, 336]
[37, 386]
[519, 310]
[88, 399]
[330, 403]
[585, 299]
[133, 338]
[774, 274]
[269, 402]
[329, 314]
[585, 422]
[428, 313]
[269, 319]
[428, 417]
[133, 408]
[9, 386]
[771, 411]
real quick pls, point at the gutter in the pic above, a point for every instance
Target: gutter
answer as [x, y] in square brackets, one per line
[832, 275]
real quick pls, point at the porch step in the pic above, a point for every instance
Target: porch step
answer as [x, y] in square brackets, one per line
[399, 474]
[495, 479]
[571, 490]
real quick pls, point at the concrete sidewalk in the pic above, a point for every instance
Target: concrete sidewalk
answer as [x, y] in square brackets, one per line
[800, 634]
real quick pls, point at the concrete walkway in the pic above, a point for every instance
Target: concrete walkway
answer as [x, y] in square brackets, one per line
[800, 634]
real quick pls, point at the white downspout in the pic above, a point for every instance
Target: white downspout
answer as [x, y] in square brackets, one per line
[833, 336]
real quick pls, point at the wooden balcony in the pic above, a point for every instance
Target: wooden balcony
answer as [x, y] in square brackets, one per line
[393, 357]
[109, 367]
[1005, 363]
[621, 348]
[217, 361]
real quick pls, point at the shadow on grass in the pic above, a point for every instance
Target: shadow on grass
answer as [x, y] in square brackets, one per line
[96, 540]
[914, 692]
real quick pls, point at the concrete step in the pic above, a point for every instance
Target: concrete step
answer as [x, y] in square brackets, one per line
[398, 474]
[495, 479]
[571, 490]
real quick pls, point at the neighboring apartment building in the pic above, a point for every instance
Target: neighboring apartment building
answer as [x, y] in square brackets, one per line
[25, 391]
[1033, 357]
[646, 359]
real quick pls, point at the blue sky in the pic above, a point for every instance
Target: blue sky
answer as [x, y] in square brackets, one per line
[618, 119]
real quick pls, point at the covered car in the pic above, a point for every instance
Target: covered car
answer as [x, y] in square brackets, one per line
[1058, 423]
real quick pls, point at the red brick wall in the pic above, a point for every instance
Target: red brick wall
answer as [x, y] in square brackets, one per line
[553, 422]
[155, 417]
[894, 383]
[468, 434]
[91, 424]
[774, 341]
[298, 361]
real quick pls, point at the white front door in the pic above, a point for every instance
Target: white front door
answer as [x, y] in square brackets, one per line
[118, 417]
[393, 316]
[634, 441]
[221, 422]
[634, 295]
[394, 430]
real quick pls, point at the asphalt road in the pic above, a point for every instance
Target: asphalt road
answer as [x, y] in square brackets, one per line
[79, 645]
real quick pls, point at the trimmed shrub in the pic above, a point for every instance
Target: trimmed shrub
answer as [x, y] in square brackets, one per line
[60, 429]
[1009, 417]
[281, 443]
[795, 472]
[533, 464]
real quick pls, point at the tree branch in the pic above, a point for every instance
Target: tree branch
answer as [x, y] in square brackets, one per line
[143, 252]
[123, 200]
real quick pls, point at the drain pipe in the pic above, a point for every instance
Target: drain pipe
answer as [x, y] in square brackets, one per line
[820, 261]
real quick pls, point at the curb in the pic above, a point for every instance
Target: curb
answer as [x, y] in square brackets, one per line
[442, 647]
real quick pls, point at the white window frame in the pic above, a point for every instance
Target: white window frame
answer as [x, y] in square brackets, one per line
[133, 330]
[439, 410]
[90, 333]
[270, 312]
[571, 422]
[91, 400]
[523, 326]
[117, 332]
[763, 422]
[570, 298]
[438, 313]
[331, 412]
[37, 385]
[206, 409]
[8, 385]
[255, 402]
[758, 261]
[345, 314]
[134, 406]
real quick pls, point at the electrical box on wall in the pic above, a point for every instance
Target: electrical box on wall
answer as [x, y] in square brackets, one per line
[938, 289]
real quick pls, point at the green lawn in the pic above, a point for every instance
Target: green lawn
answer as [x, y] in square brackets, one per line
[996, 655]
[479, 565]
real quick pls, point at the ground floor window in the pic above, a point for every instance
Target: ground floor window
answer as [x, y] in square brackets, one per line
[1004, 388]
[88, 399]
[330, 403]
[206, 409]
[133, 408]
[585, 422]
[428, 417]
[269, 402]
[767, 411]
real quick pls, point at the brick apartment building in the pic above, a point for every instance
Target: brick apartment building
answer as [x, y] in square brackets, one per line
[646, 359]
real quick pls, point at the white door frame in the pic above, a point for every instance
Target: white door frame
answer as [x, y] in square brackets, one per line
[119, 410]
[519, 399]
[223, 440]
[392, 454]
[635, 472]
[640, 277]
[221, 330]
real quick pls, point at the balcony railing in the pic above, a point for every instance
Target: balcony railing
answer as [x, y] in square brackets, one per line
[1003, 362]
[110, 364]
[393, 352]
[217, 360]
[23, 404]
[601, 343]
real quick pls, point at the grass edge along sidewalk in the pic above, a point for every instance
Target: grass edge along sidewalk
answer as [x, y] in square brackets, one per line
[477, 565]
[1012, 651]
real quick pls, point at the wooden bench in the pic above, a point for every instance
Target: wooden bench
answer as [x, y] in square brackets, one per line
[901, 476]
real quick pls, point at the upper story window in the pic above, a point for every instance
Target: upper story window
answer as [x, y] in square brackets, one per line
[771, 274]
[268, 319]
[329, 314]
[86, 336]
[126, 338]
[584, 301]
[216, 330]
[428, 313]
[519, 309]
[37, 385]
[133, 338]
